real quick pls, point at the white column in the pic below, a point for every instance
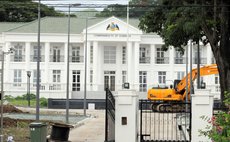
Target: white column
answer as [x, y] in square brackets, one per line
[136, 66]
[65, 60]
[202, 105]
[87, 64]
[130, 64]
[152, 53]
[96, 62]
[27, 56]
[47, 58]
[126, 118]
[8, 74]
[171, 63]
[209, 54]
[118, 67]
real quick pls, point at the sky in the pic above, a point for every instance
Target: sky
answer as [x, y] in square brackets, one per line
[86, 4]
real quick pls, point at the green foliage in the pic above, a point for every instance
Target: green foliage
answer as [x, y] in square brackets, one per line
[43, 102]
[219, 128]
[136, 9]
[23, 11]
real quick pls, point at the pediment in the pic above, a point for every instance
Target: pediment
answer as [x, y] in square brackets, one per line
[112, 25]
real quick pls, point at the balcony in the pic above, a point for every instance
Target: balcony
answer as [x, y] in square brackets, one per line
[34, 58]
[55, 58]
[202, 60]
[144, 60]
[76, 59]
[179, 60]
[17, 58]
[162, 60]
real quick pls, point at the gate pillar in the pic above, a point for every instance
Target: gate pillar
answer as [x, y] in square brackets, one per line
[202, 105]
[126, 119]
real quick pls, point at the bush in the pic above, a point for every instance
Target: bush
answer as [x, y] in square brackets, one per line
[43, 102]
[8, 97]
[219, 128]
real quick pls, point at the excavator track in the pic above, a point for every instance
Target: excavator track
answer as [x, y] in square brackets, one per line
[170, 107]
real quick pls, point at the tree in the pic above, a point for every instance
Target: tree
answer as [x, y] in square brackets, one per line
[23, 11]
[136, 9]
[178, 21]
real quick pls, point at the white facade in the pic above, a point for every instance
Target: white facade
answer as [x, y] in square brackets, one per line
[114, 56]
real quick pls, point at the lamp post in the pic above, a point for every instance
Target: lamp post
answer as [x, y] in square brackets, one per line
[2, 90]
[67, 66]
[38, 64]
[86, 40]
[28, 87]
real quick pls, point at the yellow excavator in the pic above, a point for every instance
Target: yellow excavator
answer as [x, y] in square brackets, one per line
[178, 93]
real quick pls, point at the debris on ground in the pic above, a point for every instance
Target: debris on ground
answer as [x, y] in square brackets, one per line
[11, 109]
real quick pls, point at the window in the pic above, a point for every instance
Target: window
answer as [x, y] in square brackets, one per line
[56, 54]
[179, 58]
[110, 55]
[18, 50]
[144, 55]
[76, 54]
[17, 77]
[91, 54]
[180, 75]
[56, 76]
[161, 77]
[124, 78]
[123, 55]
[91, 77]
[217, 83]
[160, 56]
[35, 56]
[76, 86]
[35, 77]
[143, 81]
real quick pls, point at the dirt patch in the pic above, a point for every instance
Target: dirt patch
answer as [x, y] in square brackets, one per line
[11, 109]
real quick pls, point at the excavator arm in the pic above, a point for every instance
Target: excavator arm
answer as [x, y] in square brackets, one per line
[205, 70]
[179, 91]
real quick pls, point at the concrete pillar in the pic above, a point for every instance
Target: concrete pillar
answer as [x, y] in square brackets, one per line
[126, 119]
[47, 61]
[202, 105]
[27, 56]
[130, 63]
[95, 66]
[136, 66]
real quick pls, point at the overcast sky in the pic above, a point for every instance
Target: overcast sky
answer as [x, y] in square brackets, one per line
[94, 3]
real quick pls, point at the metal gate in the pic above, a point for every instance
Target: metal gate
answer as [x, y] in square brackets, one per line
[167, 124]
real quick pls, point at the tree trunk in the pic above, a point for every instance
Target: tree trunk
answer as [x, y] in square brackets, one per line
[222, 52]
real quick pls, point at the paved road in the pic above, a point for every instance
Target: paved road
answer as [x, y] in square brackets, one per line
[92, 130]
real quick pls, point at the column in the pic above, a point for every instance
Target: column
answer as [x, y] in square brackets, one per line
[47, 58]
[136, 66]
[87, 64]
[27, 55]
[126, 126]
[7, 71]
[118, 67]
[171, 63]
[202, 105]
[130, 64]
[65, 60]
[96, 63]
[209, 54]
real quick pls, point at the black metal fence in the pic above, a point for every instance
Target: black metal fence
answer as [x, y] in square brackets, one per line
[109, 117]
[163, 122]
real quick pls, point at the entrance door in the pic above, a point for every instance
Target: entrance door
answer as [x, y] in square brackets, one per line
[76, 86]
[109, 80]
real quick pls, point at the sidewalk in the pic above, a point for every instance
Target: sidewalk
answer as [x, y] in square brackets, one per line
[93, 129]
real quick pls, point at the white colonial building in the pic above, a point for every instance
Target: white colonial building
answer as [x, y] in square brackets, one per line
[117, 52]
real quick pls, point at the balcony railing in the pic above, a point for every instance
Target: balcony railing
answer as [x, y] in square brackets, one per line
[17, 58]
[76, 59]
[144, 60]
[54, 58]
[202, 60]
[34, 58]
[179, 60]
[162, 60]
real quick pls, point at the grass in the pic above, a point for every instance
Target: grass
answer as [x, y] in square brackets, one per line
[23, 103]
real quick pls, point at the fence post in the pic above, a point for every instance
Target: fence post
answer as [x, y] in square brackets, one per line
[126, 120]
[202, 105]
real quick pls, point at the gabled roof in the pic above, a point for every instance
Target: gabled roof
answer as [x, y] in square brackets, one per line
[5, 26]
[60, 25]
